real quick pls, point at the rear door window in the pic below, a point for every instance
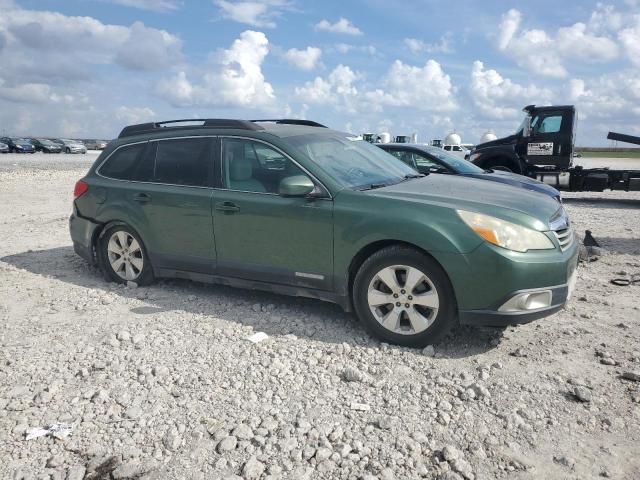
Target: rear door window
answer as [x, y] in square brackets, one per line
[184, 161]
[122, 162]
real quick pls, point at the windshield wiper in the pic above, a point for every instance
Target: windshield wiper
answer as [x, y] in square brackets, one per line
[372, 186]
[414, 175]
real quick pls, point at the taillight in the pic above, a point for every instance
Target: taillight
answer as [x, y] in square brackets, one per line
[80, 189]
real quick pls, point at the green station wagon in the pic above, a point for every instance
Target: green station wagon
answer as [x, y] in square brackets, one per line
[292, 207]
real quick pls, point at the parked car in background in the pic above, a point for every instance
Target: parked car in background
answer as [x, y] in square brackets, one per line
[95, 144]
[18, 145]
[4, 148]
[457, 150]
[71, 146]
[292, 207]
[46, 146]
[426, 159]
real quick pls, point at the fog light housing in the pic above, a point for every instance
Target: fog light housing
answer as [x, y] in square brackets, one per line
[527, 301]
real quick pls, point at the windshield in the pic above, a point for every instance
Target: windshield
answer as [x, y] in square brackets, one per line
[351, 161]
[21, 140]
[455, 163]
[44, 141]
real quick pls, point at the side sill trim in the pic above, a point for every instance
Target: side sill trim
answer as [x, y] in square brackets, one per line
[341, 300]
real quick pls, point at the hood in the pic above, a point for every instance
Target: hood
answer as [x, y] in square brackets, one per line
[499, 141]
[522, 181]
[514, 204]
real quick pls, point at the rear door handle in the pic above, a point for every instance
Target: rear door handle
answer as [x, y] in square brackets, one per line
[142, 198]
[227, 207]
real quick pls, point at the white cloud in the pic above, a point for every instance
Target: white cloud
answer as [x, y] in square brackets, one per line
[303, 59]
[337, 89]
[343, 26]
[236, 79]
[422, 88]
[25, 92]
[498, 97]
[259, 13]
[630, 39]
[148, 48]
[131, 115]
[346, 48]
[77, 42]
[546, 54]
[152, 5]
[442, 46]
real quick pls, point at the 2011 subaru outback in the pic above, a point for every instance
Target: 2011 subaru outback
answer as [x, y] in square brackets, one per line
[292, 207]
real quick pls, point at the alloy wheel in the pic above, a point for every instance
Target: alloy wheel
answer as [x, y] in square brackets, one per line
[125, 255]
[403, 299]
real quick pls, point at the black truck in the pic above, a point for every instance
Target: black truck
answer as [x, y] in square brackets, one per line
[542, 148]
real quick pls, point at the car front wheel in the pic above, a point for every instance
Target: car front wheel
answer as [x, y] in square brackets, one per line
[123, 257]
[404, 297]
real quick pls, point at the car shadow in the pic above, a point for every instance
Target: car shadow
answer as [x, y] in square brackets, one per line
[602, 202]
[629, 246]
[276, 315]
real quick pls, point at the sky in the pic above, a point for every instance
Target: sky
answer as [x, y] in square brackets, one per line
[86, 68]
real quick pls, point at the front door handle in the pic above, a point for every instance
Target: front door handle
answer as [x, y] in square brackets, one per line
[142, 197]
[227, 207]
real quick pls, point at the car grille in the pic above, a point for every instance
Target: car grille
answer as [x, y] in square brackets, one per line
[565, 238]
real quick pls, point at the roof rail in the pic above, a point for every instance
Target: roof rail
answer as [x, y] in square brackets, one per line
[292, 121]
[137, 129]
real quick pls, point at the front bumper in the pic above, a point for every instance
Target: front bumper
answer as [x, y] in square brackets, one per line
[494, 286]
[82, 233]
[497, 318]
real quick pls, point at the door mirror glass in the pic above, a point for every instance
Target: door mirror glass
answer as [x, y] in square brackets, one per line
[296, 186]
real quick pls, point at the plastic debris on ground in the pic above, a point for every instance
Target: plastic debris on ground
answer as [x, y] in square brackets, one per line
[56, 430]
[257, 337]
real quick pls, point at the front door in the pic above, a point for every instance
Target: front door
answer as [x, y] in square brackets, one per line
[261, 235]
[171, 190]
[547, 144]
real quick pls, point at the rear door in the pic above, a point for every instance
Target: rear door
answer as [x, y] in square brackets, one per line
[166, 193]
[261, 235]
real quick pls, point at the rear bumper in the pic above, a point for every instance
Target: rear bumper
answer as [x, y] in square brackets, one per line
[82, 233]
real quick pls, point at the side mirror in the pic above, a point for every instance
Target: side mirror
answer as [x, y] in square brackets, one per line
[296, 186]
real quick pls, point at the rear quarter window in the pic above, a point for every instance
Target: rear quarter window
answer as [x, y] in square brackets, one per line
[121, 164]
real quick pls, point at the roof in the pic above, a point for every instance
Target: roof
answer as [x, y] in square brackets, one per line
[276, 126]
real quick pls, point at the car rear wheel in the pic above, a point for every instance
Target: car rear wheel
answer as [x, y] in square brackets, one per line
[123, 257]
[404, 297]
[67, 150]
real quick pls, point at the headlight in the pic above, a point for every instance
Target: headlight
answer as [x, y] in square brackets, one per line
[505, 234]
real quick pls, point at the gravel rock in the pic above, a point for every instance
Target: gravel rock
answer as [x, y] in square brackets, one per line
[633, 376]
[582, 393]
[123, 336]
[322, 453]
[429, 351]
[227, 444]
[252, 469]
[242, 432]
[76, 472]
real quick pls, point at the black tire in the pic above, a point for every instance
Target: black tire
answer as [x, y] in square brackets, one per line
[67, 150]
[503, 164]
[145, 277]
[446, 316]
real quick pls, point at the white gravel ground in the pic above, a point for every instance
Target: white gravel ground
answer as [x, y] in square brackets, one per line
[161, 383]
